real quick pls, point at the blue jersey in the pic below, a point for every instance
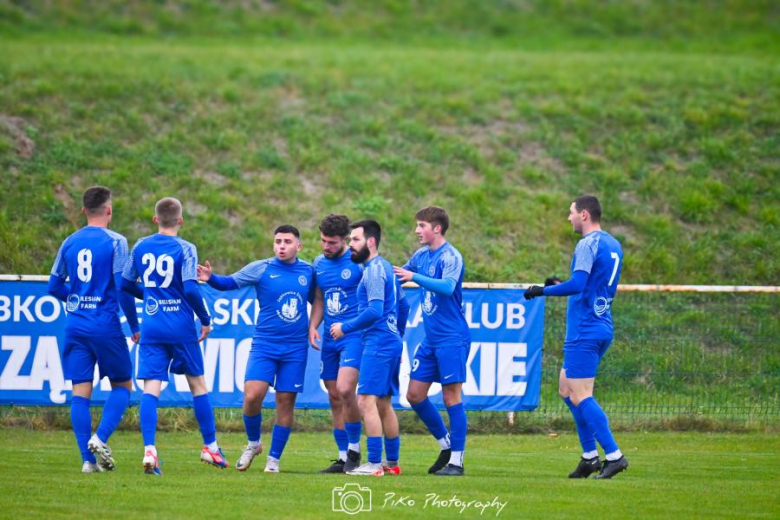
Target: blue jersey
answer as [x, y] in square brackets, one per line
[90, 257]
[283, 291]
[588, 315]
[444, 322]
[379, 283]
[164, 263]
[338, 279]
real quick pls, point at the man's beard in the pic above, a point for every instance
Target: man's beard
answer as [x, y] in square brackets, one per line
[361, 256]
[335, 254]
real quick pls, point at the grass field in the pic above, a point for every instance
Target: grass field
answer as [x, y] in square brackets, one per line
[673, 475]
[671, 118]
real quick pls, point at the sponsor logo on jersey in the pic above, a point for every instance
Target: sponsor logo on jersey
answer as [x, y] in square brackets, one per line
[335, 301]
[151, 306]
[73, 302]
[291, 307]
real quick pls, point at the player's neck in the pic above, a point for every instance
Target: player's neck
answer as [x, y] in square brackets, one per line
[169, 232]
[98, 222]
[371, 256]
[437, 243]
[587, 228]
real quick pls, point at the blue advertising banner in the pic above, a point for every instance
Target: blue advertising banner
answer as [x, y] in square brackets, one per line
[504, 364]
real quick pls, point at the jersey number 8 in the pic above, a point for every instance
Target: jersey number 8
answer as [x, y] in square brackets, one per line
[84, 269]
[164, 267]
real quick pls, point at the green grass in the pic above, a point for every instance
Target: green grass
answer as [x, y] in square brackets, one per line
[252, 129]
[671, 475]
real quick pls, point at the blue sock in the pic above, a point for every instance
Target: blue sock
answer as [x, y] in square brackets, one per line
[279, 440]
[587, 439]
[252, 425]
[599, 424]
[354, 429]
[148, 416]
[113, 410]
[431, 417]
[374, 449]
[459, 424]
[341, 439]
[81, 420]
[392, 448]
[205, 416]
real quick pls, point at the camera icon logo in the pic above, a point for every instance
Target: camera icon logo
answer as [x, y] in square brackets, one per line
[351, 498]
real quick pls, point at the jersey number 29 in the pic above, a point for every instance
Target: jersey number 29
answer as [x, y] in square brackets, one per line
[164, 267]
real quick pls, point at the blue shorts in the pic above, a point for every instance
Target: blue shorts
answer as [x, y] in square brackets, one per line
[348, 355]
[445, 365]
[581, 358]
[379, 375]
[110, 353]
[285, 370]
[156, 359]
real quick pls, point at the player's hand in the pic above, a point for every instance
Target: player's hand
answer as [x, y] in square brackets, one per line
[204, 272]
[314, 338]
[533, 292]
[553, 280]
[336, 332]
[136, 337]
[403, 274]
[204, 331]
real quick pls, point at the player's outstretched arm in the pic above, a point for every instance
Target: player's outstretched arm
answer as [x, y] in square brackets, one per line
[573, 286]
[365, 319]
[58, 288]
[317, 312]
[127, 303]
[403, 312]
[195, 299]
[443, 286]
[217, 281]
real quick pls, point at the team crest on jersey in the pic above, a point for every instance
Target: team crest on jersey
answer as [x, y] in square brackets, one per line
[345, 274]
[302, 280]
[429, 303]
[73, 302]
[152, 306]
[432, 270]
[601, 305]
[335, 301]
[392, 323]
[292, 307]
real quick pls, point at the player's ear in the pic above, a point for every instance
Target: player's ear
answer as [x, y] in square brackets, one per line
[155, 220]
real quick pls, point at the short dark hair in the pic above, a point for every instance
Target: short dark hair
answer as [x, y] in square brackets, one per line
[95, 198]
[288, 228]
[434, 215]
[371, 229]
[168, 212]
[335, 226]
[590, 204]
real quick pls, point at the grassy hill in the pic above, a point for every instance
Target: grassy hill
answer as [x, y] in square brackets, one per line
[259, 113]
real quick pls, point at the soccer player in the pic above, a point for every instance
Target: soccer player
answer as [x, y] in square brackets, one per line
[284, 286]
[93, 259]
[337, 278]
[595, 272]
[167, 265]
[377, 296]
[437, 268]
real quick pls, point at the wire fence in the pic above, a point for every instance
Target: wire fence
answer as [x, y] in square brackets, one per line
[712, 354]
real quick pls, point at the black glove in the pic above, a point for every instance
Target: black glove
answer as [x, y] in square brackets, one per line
[553, 280]
[533, 292]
